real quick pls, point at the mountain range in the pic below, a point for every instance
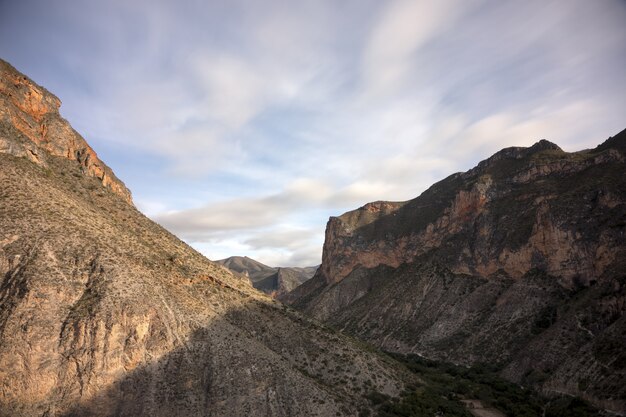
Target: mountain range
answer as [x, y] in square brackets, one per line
[275, 281]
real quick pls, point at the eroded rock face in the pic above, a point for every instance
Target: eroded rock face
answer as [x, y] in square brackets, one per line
[487, 207]
[31, 126]
[465, 271]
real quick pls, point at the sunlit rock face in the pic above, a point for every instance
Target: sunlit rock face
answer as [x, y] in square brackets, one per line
[105, 313]
[519, 261]
[30, 124]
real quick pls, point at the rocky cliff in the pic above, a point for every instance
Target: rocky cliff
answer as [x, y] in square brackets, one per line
[519, 262]
[31, 127]
[103, 312]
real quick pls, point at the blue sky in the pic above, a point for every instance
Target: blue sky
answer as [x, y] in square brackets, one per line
[241, 126]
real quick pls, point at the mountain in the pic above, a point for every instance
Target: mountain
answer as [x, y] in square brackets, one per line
[274, 281]
[103, 312]
[31, 127]
[518, 262]
[254, 270]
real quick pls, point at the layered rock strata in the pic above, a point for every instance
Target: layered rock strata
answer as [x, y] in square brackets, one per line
[519, 262]
[32, 127]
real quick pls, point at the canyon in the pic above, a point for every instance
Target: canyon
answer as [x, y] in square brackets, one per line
[103, 312]
[518, 263]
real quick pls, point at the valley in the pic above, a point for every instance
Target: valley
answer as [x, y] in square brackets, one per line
[498, 290]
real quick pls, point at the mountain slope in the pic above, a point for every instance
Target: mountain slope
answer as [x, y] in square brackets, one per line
[31, 127]
[519, 262]
[103, 312]
[255, 270]
[270, 280]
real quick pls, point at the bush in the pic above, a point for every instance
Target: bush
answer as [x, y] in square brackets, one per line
[446, 384]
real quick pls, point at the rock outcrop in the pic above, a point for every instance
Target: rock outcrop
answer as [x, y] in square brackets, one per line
[519, 261]
[103, 312]
[31, 126]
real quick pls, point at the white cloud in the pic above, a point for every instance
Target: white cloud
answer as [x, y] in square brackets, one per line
[571, 126]
[233, 88]
[404, 26]
[150, 207]
[201, 223]
[265, 118]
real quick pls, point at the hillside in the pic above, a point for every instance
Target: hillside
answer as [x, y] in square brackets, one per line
[518, 262]
[275, 281]
[103, 312]
[31, 127]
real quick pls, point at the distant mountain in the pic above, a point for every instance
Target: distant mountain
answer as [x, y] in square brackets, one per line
[519, 262]
[276, 281]
[254, 270]
[105, 313]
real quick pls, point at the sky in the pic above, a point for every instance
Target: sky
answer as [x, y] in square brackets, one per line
[241, 126]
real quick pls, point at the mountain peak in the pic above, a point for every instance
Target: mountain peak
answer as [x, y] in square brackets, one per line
[515, 152]
[271, 280]
[32, 127]
[520, 152]
[544, 145]
[494, 265]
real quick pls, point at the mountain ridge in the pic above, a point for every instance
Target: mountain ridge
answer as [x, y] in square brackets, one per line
[31, 126]
[275, 281]
[504, 252]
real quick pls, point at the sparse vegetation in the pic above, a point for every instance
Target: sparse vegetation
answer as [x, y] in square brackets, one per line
[445, 385]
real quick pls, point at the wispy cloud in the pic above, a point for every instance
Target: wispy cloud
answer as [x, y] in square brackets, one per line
[245, 213]
[241, 126]
[405, 26]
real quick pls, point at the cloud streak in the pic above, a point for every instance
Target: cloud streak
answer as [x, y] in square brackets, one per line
[242, 126]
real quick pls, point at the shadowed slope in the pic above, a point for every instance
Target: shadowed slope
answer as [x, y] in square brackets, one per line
[96, 297]
[103, 312]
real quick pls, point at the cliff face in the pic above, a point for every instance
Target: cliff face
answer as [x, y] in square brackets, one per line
[31, 126]
[518, 261]
[513, 213]
[103, 312]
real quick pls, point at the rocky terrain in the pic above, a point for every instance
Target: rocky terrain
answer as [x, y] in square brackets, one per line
[103, 312]
[271, 280]
[31, 127]
[519, 262]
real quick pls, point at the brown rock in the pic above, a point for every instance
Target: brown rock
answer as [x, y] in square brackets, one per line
[491, 266]
[103, 312]
[30, 122]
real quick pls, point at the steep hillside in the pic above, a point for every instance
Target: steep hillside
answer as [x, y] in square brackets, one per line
[518, 262]
[103, 312]
[273, 281]
[31, 127]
